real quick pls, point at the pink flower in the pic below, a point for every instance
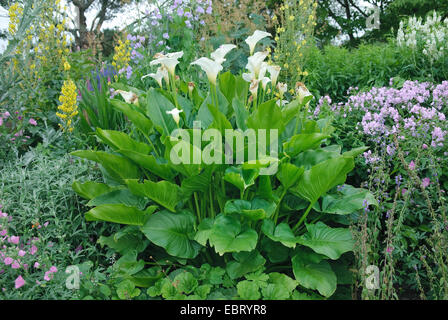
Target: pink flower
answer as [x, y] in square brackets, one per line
[426, 182]
[403, 191]
[19, 282]
[412, 165]
[21, 253]
[36, 265]
[15, 265]
[425, 146]
[33, 249]
[46, 224]
[3, 232]
[389, 249]
[14, 239]
[6, 115]
[48, 276]
[33, 122]
[53, 269]
[8, 261]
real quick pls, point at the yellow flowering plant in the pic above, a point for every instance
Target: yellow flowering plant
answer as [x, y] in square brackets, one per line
[294, 21]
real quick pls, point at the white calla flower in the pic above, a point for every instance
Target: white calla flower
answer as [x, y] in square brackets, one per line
[257, 36]
[219, 54]
[282, 88]
[128, 96]
[159, 76]
[255, 63]
[274, 72]
[210, 67]
[254, 87]
[264, 82]
[302, 91]
[169, 61]
[175, 113]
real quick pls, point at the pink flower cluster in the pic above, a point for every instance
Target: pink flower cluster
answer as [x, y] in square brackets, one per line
[19, 256]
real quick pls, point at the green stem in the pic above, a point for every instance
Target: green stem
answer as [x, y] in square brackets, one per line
[197, 206]
[212, 210]
[304, 216]
[277, 210]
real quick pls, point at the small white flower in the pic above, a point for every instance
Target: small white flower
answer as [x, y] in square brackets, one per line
[210, 67]
[254, 87]
[175, 113]
[255, 38]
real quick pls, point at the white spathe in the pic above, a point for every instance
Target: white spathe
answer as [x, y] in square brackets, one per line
[256, 63]
[169, 61]
[255, 38]
[175, 114]
[219, 54]
[274, 72]
[210, 67]
[161, 74]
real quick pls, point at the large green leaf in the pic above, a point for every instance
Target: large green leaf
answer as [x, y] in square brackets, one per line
[310, 158]
[302, 142]
[280, 233]
[243, 263]
[174, 232]
[268, 116]
[121, 141]
[331, 242]
[254, 210]
[164, 193]
[200, 182]
[122, 196]
[204, 114]
[289, 175]
[241, 114]
[157, 107]
[117, 166]
[314, 273]
[149, 162]
[348, 200]
[136, 117]
[117, 213]
[315, 182]
[228, 235]
[90, 190]
[240, 178]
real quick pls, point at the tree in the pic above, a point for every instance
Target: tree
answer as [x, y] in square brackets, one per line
[105, 10]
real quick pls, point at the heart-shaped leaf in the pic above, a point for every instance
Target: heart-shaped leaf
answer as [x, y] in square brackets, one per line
[174, 232]
[331, 242]
[314, 273]
[228, 235]
[164, 193]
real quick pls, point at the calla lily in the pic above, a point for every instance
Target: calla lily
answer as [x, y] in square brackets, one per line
[169, 61]
[255, 38]
[129, 97]
[254, 87]
[264, 82]
[302, 91]
[256, 64]
[161, 74]
[210, 67]
[219, 54]
[274, 72]
[282, 88]
[175, 113]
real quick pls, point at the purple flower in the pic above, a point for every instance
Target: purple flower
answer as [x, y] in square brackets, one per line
[426, 182]
[412, 165]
